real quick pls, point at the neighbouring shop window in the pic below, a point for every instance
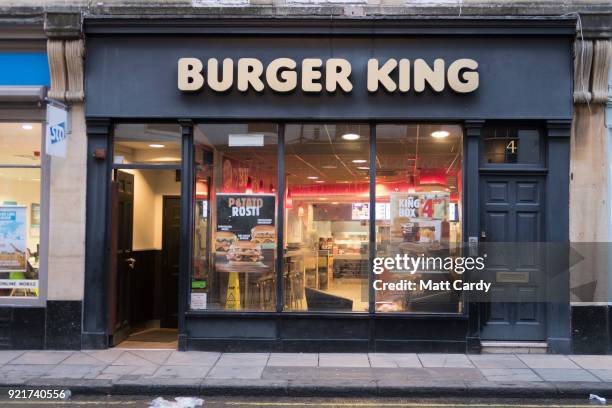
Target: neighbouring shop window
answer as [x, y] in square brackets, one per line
[147, 143]
[418, 211]
[326, 236]
[20, 212]
[512, 145]
[235, 195]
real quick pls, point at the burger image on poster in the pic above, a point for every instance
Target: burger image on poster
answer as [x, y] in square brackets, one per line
[224, 240]
[244, 252]
[263, 234]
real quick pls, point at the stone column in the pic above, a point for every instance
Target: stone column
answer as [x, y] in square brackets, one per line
[590, 195]
[66, 263]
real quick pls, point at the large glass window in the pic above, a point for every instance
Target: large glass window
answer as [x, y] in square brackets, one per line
[20, 212]
[418, 211]
[326, 215]
[235, 204]
[326, 236]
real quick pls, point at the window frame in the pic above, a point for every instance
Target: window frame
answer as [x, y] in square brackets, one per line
[34, 116]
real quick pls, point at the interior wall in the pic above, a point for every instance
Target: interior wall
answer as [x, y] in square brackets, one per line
[150, 186]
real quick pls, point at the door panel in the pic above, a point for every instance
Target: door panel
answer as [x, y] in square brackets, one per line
[171, 238]
[121, 245]
[512, 222]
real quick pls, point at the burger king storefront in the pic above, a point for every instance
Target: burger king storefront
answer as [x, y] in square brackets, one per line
[245, 189]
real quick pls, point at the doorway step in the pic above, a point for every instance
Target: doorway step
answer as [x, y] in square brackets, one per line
[513, 347]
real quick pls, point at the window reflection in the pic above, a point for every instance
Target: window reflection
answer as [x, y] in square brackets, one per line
[20, 211]
[326, 239]
[235, 205]
[418, 197]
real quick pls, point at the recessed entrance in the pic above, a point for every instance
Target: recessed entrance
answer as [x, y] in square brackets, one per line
[144, 251]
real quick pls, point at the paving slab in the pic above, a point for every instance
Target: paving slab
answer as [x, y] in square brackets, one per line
[318, 373]
[154, 356]
[344, 360]
[8, 355]
[445, 360]
[603, 375]
[233, 372]
[450, 373]
[116, 371]
[192, 358]
[496, 361]
[394, 360]
[553, 374]
[80, 358]
[168, 371]
[593, 362]
[130, 358]
[243, 360]
[509, 374]
[84, 386]
[73, 371]
[106, 356]
[41, 357]
[293, 360]
[547, 361]
[26, 370]
[12, 380]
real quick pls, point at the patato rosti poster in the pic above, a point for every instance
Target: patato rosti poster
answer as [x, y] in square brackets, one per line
[246, 236]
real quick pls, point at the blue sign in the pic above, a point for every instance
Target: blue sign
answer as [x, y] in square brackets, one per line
[24, 68]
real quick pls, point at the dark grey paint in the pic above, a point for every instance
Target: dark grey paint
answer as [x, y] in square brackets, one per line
[130, 77]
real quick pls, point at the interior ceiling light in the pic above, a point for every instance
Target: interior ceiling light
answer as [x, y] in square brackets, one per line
[319, 181]
[440, 134]
[350, 136]
[329, 166]
[156, 145]
[357, 161]
[26, 126]
[363, 168]
[312, 177]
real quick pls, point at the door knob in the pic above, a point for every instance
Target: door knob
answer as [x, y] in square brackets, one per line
[131, 262]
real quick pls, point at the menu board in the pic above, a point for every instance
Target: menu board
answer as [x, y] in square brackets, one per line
[246, 236]
[361, 211]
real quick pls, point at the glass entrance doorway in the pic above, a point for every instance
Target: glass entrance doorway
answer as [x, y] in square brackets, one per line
[145, 237]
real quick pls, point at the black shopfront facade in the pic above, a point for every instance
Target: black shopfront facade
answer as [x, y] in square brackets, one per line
[447, 140]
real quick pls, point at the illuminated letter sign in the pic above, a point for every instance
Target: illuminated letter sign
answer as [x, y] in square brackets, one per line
[313, 75]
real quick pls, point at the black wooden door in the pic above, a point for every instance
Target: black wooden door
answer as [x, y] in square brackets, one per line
[171, 238]
[512, 223]
[124, 262]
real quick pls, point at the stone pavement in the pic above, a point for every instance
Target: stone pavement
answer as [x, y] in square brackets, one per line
[123, 371]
